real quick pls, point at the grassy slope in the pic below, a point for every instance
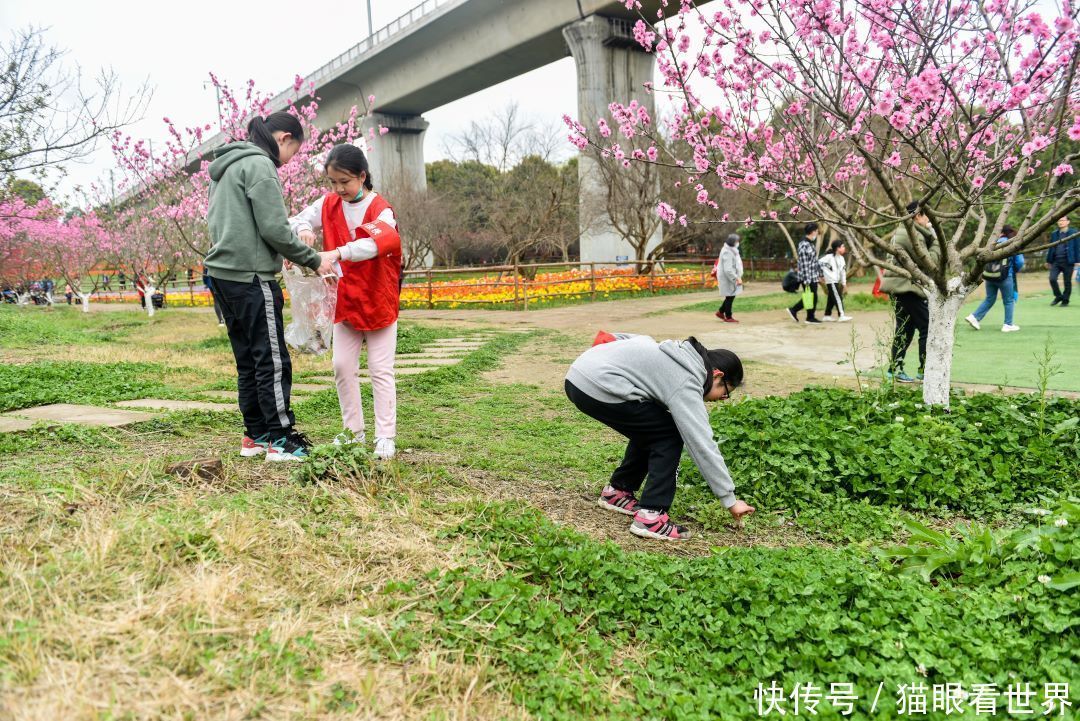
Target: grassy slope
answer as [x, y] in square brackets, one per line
[434, 590]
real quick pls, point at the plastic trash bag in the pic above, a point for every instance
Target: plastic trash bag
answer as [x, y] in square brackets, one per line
[313, 300]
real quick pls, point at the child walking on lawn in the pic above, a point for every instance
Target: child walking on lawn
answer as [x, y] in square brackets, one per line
[360, 231]
[654, 394]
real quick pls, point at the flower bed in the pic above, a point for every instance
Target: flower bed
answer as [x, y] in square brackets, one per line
[547, 287]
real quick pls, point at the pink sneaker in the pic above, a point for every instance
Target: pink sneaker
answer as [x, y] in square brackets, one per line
[654, 524]
[619, 501]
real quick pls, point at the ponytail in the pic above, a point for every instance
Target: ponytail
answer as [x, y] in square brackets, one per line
[261, 132]
[350, 159]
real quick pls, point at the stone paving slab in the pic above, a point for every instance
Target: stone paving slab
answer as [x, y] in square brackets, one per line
[223, 395]
[10, 424]
[406, 360]
[406, 371]
[84, 415]
[309, 387]
[167, 405]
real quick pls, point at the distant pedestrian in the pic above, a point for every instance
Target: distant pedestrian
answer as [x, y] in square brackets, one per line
[834, 269]
[68, 293]
[910, 308]
[1062, 258]
[809, 273]
[729, 271]
[1000, 276]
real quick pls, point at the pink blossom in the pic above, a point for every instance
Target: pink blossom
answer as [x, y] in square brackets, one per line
[1062, 170]
[894, 160]
[383, 130]
[978, 181]
[666, 212]
[751, 178]
[605, 131]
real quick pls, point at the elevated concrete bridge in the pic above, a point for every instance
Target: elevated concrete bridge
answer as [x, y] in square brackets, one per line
[445, 50]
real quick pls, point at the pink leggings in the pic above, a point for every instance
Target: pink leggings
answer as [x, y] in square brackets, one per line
[382, 345]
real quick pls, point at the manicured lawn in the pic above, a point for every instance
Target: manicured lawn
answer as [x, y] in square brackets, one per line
[990, 356]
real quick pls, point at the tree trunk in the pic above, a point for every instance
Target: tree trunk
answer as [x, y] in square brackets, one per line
[944, 310]
[148, 299]
[84, 300]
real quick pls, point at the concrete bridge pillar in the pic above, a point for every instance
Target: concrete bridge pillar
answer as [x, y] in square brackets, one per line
[611, 67]
[397, 158]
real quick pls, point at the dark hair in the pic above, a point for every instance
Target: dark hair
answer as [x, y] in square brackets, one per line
[732, 240]
[261, 132]
[719, 359]
[914, 207]
[724, 360]
[1008, 232]
[835, 245]
[810, 228]
[350, 159]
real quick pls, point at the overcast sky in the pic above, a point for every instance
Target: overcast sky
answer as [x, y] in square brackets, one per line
[174, 45]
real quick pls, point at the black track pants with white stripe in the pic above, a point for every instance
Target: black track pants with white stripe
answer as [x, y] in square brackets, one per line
[253, 315]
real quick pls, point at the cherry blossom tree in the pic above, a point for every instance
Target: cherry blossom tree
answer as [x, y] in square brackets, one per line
[850, 110]
[22, 260]
[77, 246]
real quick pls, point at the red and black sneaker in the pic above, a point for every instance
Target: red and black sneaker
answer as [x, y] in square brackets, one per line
[619, 501]
[656, 524]
[250, 447]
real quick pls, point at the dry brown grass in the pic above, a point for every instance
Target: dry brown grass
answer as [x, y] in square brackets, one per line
[184, 608]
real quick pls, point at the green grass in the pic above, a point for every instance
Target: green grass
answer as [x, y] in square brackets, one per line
[992, 357]
[439, 586]
[48, 382]
[24, 327]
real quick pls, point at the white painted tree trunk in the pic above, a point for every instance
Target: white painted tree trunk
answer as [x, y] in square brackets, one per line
[84, 300]
[148, 299]
[944, 310]
[22, 299]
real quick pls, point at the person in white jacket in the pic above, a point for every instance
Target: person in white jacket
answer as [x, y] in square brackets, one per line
[834, 270]
[729, 270]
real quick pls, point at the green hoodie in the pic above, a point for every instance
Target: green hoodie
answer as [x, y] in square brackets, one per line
[895, 284]
[249, 225]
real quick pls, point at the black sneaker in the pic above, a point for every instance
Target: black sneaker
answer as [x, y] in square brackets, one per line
[812, 320]
[292, 447]
[1055, 301]
[793, 314]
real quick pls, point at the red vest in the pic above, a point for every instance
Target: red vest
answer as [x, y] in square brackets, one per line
[369, 291]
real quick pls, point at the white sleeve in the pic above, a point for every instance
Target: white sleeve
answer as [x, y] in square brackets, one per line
[365, 248]
[310, 218]
[843, 271]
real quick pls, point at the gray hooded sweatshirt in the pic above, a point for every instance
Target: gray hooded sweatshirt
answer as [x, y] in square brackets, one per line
[672, 373]
[249, 226]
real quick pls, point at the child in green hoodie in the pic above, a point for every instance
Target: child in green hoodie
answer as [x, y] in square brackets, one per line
[249, 232]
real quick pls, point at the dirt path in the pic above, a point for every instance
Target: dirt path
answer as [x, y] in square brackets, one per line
[767, 336]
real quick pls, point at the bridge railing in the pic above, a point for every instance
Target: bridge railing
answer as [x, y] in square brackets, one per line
[353, 54]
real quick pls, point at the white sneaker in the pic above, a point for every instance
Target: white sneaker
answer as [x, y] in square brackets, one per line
[384, 448]
[1009, 328]
[348, 438]
[845, 318]
[974, 322]
[828, 319]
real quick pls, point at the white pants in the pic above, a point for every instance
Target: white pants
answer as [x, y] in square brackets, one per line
[382, 346]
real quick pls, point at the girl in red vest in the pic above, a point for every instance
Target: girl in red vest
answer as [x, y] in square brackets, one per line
[360, 231]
